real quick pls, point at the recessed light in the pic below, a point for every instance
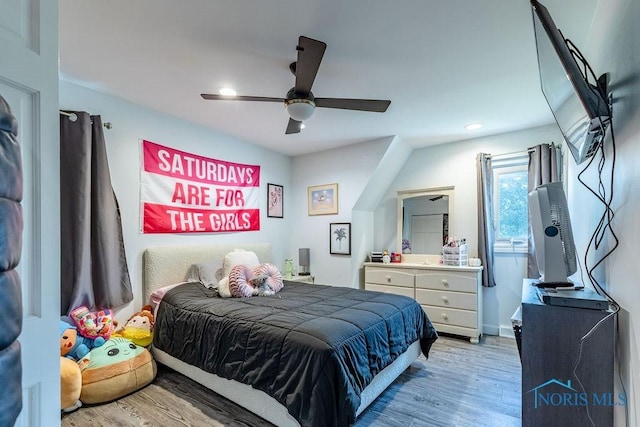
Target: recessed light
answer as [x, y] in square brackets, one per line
[227, 91]
[473, 126]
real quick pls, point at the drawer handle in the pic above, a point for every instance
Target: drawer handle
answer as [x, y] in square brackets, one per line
[445, 300]
[388, 278]
[445, 317]
[445, 283]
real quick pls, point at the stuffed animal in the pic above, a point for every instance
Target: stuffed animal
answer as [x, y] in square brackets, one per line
[261, 286]
[70, 385]
[116, 369]
[139, 328]
[73, 345]
[92, 324]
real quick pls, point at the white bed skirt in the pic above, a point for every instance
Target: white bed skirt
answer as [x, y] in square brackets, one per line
[266, 406]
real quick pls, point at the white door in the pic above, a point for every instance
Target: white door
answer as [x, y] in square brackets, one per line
[29, 83]
[426, 234]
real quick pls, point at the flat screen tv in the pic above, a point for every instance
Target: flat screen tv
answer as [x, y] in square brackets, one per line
[579, 107]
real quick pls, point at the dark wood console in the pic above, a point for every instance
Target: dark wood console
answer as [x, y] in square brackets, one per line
[565, 383]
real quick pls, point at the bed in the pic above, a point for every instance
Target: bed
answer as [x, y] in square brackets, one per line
[311, 355]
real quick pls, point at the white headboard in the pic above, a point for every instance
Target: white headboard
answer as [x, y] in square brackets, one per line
[166, 265]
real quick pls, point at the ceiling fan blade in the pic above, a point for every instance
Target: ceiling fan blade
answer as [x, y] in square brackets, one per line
[310, 54]
[209, 96]
[375, 105]
[293, 127]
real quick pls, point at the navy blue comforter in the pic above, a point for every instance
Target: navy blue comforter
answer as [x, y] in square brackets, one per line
[311, 347]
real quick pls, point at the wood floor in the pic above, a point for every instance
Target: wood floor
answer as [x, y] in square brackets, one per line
[460, 385]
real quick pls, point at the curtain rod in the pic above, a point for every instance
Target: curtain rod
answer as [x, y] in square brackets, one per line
[522, 152]
[73, 117]
[513, 153]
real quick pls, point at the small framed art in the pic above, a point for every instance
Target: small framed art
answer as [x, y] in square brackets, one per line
[323, 199]
[340, 238]
[275, 201]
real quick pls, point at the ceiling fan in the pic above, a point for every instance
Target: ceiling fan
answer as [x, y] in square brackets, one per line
[300, 102]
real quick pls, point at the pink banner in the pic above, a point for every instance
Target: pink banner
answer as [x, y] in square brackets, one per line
[186, 193]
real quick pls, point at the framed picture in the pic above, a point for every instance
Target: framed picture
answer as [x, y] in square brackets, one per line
[323, 199]
[340, 238]
[275, 201]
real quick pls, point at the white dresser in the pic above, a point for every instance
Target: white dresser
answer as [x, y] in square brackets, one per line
[451, 296]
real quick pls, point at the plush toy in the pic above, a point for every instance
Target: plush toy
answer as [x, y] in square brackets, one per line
[261, 286]
[139, 328]
[70, 385]
[92, 324]
[116, 369]
[73, 345]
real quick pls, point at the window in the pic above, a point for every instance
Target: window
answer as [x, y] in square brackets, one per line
[510, 203]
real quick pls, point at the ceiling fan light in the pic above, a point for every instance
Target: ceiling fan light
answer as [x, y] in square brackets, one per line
[300, 109]
[227, 91]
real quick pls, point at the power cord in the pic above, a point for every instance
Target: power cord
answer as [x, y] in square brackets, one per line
[604, 226]
[575, 366]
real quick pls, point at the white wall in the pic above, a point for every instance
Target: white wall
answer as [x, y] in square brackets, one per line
[132, 122]
[454, 164]
[352, 168]
[612, 47]
[443, 165]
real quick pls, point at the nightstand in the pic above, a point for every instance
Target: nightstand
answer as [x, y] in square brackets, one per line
[304, 279]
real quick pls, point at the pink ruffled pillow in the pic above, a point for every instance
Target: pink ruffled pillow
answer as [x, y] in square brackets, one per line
[239, 285]
[274, 277]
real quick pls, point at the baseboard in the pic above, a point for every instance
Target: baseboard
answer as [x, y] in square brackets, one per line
[507, 332]
[500, 331]
[489, 330]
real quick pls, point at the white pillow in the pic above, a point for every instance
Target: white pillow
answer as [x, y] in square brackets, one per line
[207, 273]
[223, 288]
[239, 256]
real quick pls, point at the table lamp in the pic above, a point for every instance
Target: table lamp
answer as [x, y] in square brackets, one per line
[303, 261]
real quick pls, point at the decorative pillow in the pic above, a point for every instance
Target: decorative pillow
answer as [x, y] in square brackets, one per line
[223, 288]
[115, 369]
[273, 276]
[207, 273]
[237, 257]
[239, 278]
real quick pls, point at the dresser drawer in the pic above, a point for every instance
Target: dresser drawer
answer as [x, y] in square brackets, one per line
[448, 281]
[462, 300]
[389, 277]
[397, 290]
[452, 316]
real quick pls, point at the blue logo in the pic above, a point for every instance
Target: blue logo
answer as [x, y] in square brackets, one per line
[556, 393]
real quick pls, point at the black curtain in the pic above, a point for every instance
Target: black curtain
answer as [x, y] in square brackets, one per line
[94, 270]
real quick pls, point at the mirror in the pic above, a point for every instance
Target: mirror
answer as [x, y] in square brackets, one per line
[424, 218]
